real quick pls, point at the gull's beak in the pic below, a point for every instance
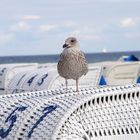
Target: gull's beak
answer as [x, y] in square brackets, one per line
[65, 46]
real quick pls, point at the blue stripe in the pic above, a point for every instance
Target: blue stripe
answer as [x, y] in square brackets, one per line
[138, 80]
[45, 111]
[12, 119]
[102, 81]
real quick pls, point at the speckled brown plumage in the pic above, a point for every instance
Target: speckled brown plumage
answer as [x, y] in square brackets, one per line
[72, 63]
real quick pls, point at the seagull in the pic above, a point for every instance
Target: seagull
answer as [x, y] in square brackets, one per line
[72, 63]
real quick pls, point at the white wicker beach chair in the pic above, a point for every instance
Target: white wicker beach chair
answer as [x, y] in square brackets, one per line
[8, 71]
[44, 79]
[91, 114]
[39, 79]
[124, 73]
[15, 84]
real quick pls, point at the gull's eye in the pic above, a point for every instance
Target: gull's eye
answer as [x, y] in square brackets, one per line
[72, 40]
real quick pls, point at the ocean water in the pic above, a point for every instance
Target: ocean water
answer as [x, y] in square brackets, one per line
[91, 57]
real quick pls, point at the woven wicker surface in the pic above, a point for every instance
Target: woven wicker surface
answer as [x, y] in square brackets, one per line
[92, 113]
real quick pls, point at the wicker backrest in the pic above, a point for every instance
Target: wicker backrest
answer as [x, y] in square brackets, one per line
[8, 71]
[29, 80]
[45, 78]
[109, 115]
[125, 73]
[92, 113]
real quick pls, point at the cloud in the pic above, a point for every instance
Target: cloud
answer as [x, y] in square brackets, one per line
[69, 23]
[76, 32]
[132, 35]
[30, 17]
[85, 36]
[90, 37]
[6, 38]
[47, 27]
[20, 26]
[129, 22]
[86, 33]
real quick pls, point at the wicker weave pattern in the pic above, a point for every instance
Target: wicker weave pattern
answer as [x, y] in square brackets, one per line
[44, 79]
[93, 113]
[9, 71]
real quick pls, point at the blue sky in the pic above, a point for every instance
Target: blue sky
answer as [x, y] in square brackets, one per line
[30, 27]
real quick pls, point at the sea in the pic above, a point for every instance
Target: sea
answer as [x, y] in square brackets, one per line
[91, 57]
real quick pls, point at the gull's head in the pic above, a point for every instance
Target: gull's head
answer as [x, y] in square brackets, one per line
[70, 42]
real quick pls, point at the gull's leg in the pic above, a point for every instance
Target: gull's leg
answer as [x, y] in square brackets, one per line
[77, 85]
[66, 82]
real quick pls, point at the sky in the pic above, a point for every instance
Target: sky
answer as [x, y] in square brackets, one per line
[34, 27]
